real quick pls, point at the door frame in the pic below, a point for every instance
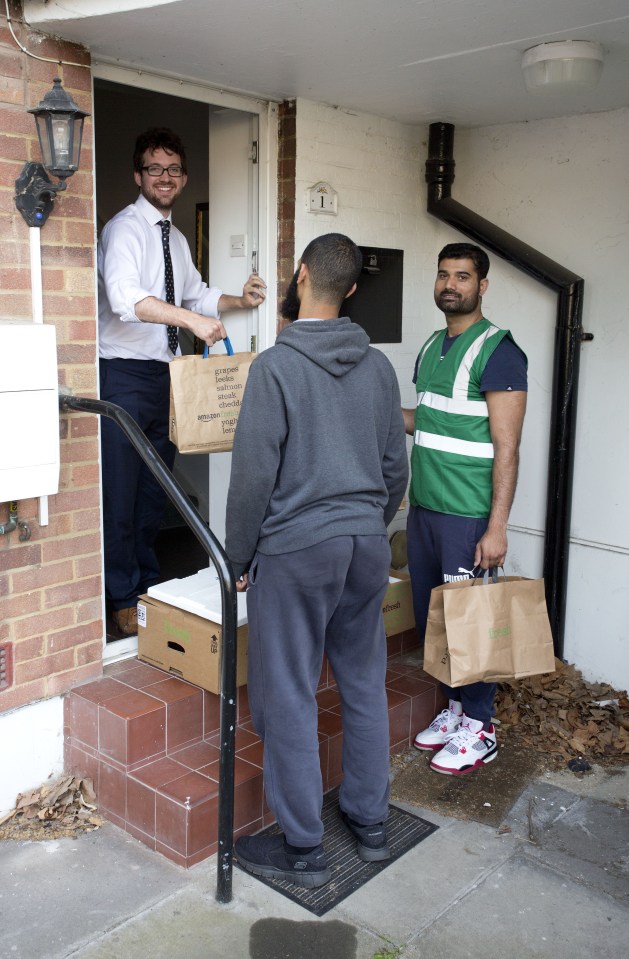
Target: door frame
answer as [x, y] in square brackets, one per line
[267, 114]
[266, 111]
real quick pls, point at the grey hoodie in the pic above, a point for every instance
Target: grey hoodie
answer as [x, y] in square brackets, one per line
[320, 447]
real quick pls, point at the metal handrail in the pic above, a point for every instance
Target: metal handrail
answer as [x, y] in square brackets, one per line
[215, 551]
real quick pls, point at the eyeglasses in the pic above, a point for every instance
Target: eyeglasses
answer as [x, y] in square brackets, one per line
[154, 169]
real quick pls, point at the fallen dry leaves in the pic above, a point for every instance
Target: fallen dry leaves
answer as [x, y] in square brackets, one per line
[62, 808]
[562, 715]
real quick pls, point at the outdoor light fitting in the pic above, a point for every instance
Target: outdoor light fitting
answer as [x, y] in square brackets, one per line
[562, 66]
[60, 129]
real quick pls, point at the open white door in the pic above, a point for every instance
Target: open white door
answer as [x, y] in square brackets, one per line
[233, 253]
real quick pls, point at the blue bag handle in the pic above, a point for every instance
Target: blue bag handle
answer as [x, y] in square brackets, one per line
[228, 347]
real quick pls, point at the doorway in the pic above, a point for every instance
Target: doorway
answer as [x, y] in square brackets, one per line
[218, 213]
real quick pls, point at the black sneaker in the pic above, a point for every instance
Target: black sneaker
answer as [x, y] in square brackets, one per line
[371, 841]
[266, 856]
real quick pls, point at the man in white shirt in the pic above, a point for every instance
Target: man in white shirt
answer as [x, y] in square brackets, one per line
[147, 285]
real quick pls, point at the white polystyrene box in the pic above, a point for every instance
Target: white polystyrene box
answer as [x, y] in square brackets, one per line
[29, 411]
[199, 594]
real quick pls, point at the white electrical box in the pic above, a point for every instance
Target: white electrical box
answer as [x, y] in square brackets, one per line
[29, 411]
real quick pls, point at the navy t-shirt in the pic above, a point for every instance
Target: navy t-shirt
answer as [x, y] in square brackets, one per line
[505, 369]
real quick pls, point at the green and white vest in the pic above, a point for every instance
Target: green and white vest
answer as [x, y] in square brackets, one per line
[452, 456]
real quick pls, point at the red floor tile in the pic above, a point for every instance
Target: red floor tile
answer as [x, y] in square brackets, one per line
[248, 799]
[112, 791]
[410, 685]
[400, 721]
[186, 814]
[425, 707]
[394, 646]
[335, 761]
[329, 723]
[78, 762]
[132, 727]
[81, 720]
[253, 753]
[151, 746]
[139, 675]
[140, 806]
[184, 710]
[329, 699]
[100, 690]
[148, 840]
[159, 772]
[197, 755]
[243, 710]
[211, 713]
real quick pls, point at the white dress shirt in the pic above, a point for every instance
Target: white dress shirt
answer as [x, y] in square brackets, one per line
[130, 268]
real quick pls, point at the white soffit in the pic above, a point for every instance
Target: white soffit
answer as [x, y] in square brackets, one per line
[415, 62]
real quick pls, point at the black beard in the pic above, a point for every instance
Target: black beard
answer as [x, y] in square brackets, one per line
[461, 306]
[290, 304]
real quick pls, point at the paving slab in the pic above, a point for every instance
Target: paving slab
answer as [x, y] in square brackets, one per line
[58, 894]
[589, 843]
[410, 892]
[525, 911]
[609, 783]
[468, 890]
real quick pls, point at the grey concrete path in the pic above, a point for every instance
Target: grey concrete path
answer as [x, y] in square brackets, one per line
[555, 885]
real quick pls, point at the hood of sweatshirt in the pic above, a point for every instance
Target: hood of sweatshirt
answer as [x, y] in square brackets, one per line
[335, 345]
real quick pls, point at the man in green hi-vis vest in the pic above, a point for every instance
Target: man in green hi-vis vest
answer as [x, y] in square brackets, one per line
[471, 398]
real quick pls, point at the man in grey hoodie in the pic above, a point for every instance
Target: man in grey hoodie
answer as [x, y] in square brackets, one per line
[319, 468]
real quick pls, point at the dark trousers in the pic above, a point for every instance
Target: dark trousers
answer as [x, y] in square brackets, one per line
[324, 599]
[133, 501]
[440, 550]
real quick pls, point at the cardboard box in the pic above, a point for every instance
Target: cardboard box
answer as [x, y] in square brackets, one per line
[397, 606]
[180, 631]
[187, 644]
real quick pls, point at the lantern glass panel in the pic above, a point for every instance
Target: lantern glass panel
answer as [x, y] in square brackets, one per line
[44, 139]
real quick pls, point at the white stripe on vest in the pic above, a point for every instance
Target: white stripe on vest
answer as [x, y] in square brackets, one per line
[462, 379]
[445, 404]
[446, 444]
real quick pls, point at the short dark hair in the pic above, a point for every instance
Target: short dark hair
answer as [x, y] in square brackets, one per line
[466, 251]
[155, 139]
[334, 263]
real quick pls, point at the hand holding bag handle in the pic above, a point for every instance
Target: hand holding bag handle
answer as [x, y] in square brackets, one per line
[475, 634]
[228, 347]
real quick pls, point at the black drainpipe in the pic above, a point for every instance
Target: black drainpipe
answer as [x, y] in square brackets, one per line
[568, 337]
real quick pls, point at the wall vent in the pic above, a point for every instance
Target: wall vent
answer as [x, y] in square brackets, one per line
[6, 665]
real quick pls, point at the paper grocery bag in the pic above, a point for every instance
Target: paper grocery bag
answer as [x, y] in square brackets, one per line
[205, 398]
[481, 631]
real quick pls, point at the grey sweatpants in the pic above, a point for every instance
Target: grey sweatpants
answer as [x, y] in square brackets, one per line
[326, 598]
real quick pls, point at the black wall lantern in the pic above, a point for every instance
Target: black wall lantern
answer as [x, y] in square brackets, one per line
[60, 130]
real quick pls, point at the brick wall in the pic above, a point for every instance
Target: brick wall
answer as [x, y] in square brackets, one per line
[50, 586]
[287, 153]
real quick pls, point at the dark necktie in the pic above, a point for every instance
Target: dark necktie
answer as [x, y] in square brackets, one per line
[172, 332]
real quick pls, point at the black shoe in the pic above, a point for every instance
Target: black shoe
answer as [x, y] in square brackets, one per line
[371, 841]
[266, 856]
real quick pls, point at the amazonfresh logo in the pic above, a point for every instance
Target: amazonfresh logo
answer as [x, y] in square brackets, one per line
[498, 631]
[176, 632]
[390, 607]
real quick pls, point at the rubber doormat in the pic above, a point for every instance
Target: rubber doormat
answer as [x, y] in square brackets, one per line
[349, 873]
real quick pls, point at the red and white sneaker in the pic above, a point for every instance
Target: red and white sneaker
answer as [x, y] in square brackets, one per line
[468, 749]
[441, 728]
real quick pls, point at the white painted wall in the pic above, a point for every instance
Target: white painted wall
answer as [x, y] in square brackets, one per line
[376, 167]
[560, 186]
[31, 748]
